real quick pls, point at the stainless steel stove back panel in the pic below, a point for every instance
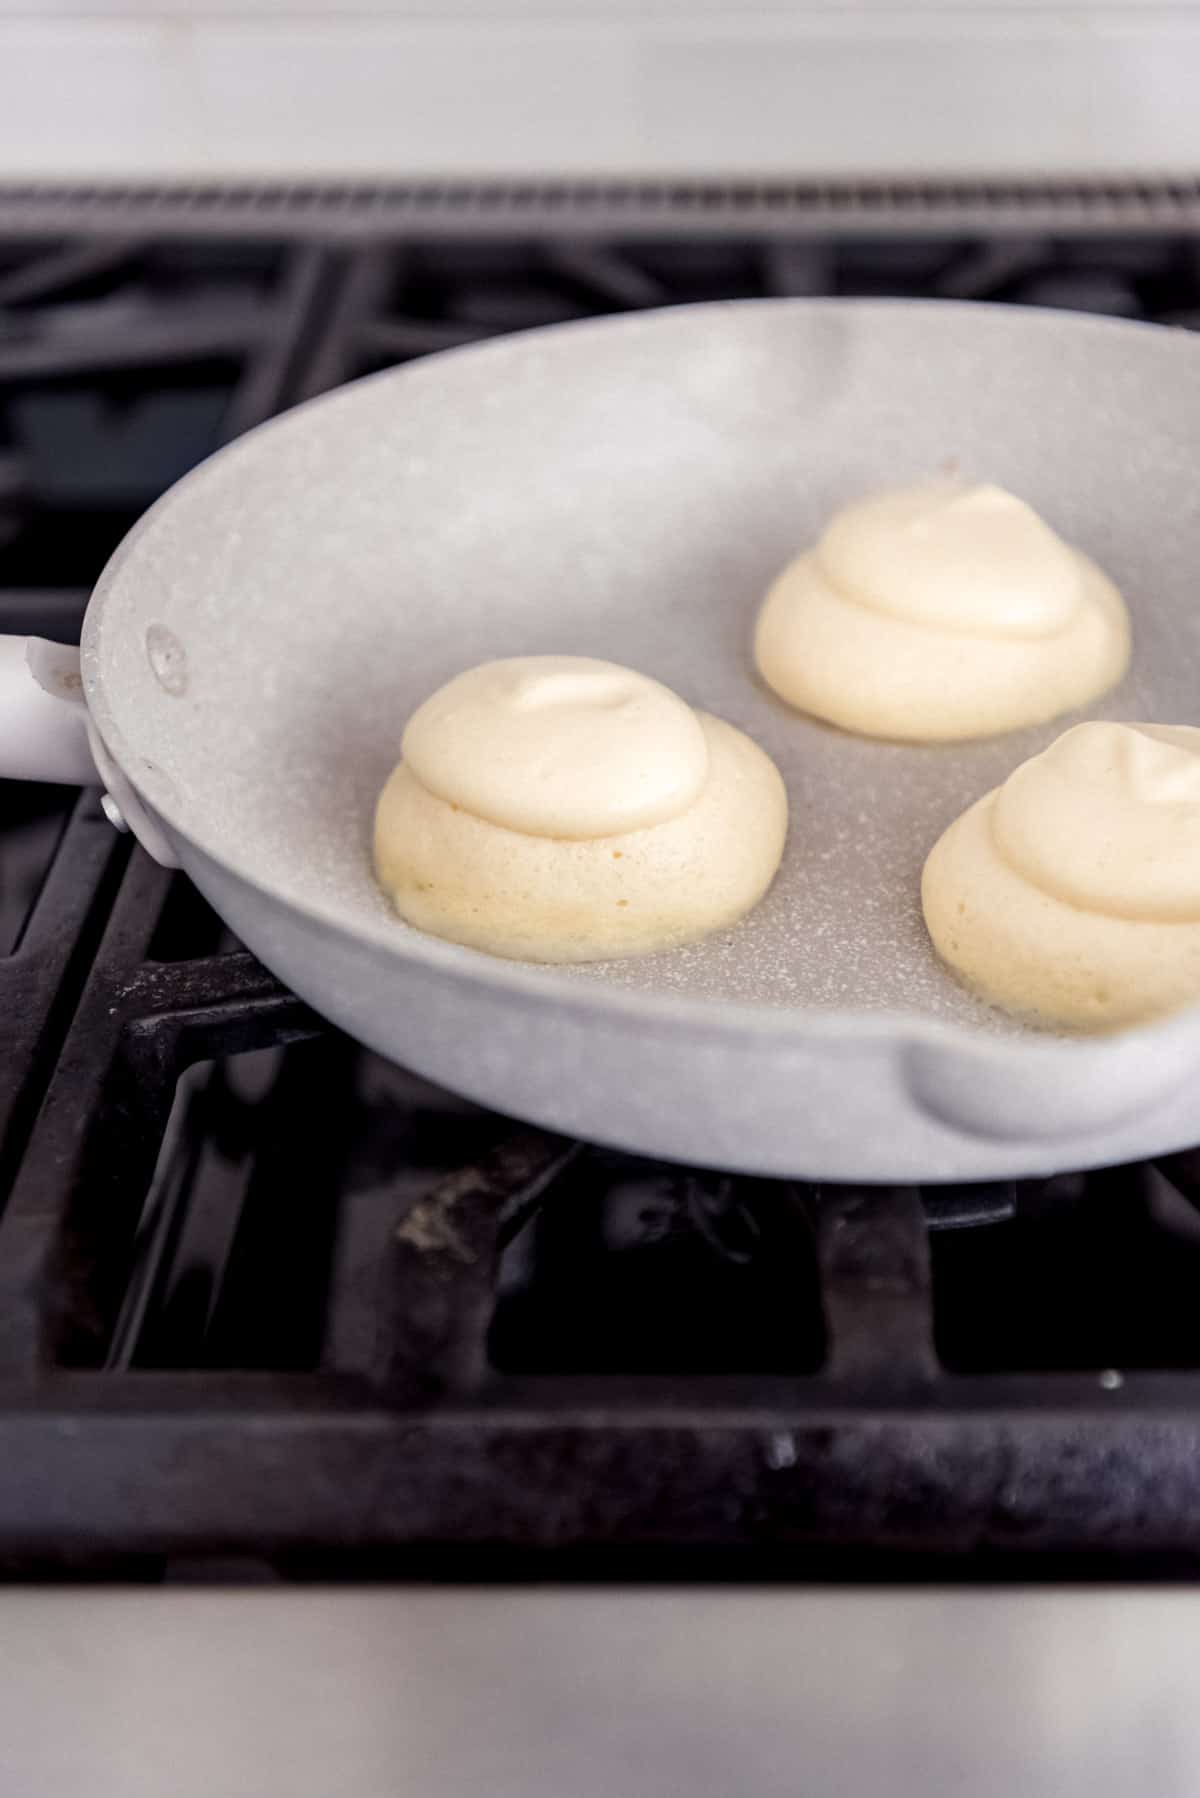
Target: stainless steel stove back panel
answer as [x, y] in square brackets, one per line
[455, 1694]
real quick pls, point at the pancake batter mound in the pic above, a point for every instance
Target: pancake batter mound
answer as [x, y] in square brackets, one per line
[1071, 894]
[940, 612]
[558, 809]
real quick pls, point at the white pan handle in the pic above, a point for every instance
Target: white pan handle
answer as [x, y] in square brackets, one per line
[43, 720]
[45, 735]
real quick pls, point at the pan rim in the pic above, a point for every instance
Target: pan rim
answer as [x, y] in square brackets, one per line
[540, 984]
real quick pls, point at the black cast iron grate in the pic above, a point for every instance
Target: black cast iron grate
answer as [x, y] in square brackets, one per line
[263, 1296]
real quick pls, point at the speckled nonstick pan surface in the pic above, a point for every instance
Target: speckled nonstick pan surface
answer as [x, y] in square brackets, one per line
[625, 489]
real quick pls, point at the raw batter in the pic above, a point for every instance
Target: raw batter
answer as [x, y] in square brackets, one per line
[938, 612]
[1072, 892]
[556, 808]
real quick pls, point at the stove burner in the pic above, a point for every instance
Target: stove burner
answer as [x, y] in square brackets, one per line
[263, 1295]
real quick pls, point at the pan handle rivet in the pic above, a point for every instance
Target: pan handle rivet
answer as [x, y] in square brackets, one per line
[168, 662]
[112, 812]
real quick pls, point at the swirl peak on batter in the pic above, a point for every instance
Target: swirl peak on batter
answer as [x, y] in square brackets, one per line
[937, 612]
[1108, 819]
[559, 809]
[559, 746]
[1071, 894]
[971, 559]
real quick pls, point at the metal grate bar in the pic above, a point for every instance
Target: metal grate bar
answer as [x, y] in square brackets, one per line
[294, 322]
[189, 335]
[250, 1463]
[63, 268]
[873, 1249]
[54, 612]
[66, 1234]
[441, 1287]
[39, 981]
[362, 290]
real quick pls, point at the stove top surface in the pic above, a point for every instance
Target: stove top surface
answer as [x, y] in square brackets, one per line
[268, 1301]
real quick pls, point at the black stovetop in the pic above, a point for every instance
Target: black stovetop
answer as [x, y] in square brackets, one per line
[264, 1296]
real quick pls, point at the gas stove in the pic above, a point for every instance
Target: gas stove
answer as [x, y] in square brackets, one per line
[272, 1305]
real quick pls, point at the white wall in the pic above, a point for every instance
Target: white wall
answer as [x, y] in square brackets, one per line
[155, 88]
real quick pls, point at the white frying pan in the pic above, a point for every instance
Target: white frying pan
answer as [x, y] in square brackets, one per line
[625, 489]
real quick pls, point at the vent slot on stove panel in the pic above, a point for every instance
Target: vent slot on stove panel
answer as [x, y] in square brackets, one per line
[715, 207]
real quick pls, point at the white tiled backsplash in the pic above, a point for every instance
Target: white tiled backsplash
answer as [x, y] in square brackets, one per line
[160, 88]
